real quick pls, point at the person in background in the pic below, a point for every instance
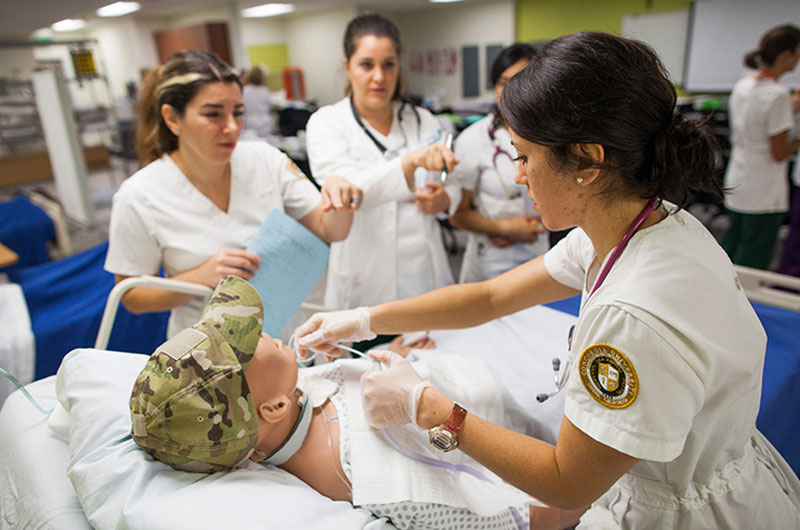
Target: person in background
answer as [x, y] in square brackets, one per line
[790, 255]
[388, 147]
[258, 119]
[663, 382]
[202, 195]
[504, 229]
[761, 119]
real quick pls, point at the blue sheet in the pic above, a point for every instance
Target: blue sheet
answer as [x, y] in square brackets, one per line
[66, 299]
[780, 392]
[25, 229]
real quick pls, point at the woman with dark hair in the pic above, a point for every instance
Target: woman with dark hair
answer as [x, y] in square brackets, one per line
[388, 147]
[504, 228]
[202, 195]
[663, 379]
[761, 121]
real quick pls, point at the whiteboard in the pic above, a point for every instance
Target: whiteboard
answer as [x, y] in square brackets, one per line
[722, 31]
[666, 33]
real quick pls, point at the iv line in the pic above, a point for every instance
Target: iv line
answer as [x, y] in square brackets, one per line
[24, 391]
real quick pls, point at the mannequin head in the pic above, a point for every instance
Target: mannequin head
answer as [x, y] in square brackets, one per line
[272, 379]
[193, 406]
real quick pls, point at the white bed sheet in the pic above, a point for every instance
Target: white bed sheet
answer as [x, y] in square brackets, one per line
[17, 352]
[34, 491]
[518, 348]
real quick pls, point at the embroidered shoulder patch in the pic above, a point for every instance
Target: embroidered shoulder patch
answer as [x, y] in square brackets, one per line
[292, 167]
[608, 376]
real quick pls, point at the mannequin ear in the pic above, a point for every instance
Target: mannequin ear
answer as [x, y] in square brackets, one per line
[171, 118]
[275, 410]
[588, 153]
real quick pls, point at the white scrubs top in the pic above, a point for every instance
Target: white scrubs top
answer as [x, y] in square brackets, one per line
[758, 109]
[158, 218]
[667, 359]
[393, 250]
[496, 196]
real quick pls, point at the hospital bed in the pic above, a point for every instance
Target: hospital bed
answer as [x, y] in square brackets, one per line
[34, 463]
[36, 492]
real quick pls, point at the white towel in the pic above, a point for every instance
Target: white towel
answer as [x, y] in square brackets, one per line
[383, 475]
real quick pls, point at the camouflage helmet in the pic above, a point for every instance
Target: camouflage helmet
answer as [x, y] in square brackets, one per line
[190, 406]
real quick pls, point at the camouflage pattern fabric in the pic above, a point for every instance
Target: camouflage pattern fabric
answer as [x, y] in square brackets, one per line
[190, 406]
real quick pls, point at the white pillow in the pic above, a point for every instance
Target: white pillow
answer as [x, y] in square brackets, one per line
[121, 487]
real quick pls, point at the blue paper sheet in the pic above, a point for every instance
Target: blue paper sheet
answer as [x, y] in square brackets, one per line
[292, 262]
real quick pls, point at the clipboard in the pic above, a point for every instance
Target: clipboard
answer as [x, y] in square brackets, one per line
[293, 260]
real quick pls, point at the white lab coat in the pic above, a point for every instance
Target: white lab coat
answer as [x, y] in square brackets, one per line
[481, 172]
[694, 348]
[393, 250]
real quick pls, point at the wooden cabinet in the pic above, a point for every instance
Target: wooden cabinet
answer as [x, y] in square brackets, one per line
[212, 37]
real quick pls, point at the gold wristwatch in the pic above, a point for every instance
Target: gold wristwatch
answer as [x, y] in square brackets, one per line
[445, 436]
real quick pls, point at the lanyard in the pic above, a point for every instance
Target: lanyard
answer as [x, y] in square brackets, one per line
[382, 148]
[497, 152]
[561, 377]
[637, 224]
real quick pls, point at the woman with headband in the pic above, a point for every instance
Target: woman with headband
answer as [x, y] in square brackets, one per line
[659, 426]
[388, 147]
[202, 195]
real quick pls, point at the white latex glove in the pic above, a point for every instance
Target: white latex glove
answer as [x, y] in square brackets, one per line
[319, 331]
[390, 397]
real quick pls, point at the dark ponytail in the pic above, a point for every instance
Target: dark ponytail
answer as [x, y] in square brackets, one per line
[684, 162]
[597, 88]
[753, 59]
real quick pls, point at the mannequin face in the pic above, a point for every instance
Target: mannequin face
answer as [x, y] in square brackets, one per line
[373, 70]
[506, 76]
[272, 373]
[211, 124]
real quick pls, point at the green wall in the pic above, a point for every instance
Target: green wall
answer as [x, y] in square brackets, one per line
[274, 56]
[538, 20]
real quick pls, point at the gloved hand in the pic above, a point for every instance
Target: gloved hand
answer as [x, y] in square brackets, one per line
[390, 397]
[319, 331]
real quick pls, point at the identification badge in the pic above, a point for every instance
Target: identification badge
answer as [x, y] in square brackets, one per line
[608, 376]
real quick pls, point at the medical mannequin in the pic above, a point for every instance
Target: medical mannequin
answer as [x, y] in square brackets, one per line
[203, 195]
[214, 368]
[664, 379]
[391, 149]
[504, 230]
[761, 123]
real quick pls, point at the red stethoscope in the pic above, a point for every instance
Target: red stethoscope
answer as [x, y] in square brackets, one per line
[561, 378]
[499, 151]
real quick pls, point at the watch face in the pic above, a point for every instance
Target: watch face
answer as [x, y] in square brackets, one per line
[442, 439]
